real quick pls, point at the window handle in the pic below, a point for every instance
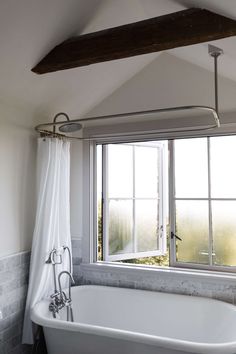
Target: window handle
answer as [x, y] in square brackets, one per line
[161, 229]
[172, 234]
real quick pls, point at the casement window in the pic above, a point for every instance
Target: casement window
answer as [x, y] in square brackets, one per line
[168, 203]
[133, 196]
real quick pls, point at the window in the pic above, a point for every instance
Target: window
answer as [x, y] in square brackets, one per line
[205, 200]
[186, 186]
[132, 190]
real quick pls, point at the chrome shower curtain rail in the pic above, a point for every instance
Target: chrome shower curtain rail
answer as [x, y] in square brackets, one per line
[214, 53]
[42, 128]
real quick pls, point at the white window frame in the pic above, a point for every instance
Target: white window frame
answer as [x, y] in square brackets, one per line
[162, 207]
[90, 220]
[172, 205]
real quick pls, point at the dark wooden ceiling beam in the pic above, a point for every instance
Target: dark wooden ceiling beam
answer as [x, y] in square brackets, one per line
[174, 30]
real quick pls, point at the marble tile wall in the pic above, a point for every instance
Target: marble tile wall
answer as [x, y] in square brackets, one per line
[224, 290]
[14, 271]
[216, 287]
[77, 260]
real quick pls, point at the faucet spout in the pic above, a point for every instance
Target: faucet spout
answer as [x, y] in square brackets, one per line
[72, 282]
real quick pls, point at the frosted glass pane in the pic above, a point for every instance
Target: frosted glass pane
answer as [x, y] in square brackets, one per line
[146, 225]
[99, 203]
[223, 167]
[120, 171]
[224, 232]
[192, 227]
[191, 171]
[146, 172]
[120, 226]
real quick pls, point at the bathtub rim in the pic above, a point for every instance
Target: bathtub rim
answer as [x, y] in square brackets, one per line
[164, 342]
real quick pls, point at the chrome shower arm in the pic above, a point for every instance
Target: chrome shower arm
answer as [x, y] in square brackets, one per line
[55, 119]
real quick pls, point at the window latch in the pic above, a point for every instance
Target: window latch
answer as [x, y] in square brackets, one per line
[172, 234]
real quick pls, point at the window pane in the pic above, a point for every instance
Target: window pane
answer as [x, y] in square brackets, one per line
[191, 171]
[120, 171]
[192, 227]
[224, 232]
[223, 167]
[99, 203]
[146, 172]
[146, 225]
[120, 226]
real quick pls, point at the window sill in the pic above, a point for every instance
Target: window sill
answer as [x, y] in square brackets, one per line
[183, 273]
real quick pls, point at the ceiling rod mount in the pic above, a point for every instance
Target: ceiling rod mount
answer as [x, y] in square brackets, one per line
[215, 52]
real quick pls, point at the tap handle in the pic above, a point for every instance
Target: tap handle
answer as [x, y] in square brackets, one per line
[57, 261]
[55, 295]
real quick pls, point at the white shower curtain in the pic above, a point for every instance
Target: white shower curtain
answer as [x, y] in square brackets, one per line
[52, 224]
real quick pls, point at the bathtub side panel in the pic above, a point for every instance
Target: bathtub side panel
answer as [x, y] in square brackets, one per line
[68, 342]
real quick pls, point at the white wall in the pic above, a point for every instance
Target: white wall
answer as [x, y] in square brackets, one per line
[17, 180]
[167, 82]
[76, 197]
[18, 147]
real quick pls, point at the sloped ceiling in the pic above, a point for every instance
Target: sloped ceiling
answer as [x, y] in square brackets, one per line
[29, 29]
[169, 82]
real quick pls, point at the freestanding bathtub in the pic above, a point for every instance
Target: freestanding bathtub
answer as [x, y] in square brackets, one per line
[112, 320]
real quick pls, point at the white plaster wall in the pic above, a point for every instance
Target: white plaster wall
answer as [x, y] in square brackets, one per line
[17, 180]
[76, 197]
[167, 82]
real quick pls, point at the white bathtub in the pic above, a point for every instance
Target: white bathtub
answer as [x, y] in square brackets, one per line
[126, 321]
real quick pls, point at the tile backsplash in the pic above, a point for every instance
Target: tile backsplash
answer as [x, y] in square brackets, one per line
[14, 272]
[216, 287]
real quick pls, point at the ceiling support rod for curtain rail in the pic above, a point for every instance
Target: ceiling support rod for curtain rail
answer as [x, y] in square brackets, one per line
[215, 53]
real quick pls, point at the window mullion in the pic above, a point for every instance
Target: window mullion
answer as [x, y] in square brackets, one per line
[160, 201]
[172, 241]
[209, 204]
[105, 218]
[134, 205]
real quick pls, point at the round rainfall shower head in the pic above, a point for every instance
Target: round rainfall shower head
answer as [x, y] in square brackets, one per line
[70, 127]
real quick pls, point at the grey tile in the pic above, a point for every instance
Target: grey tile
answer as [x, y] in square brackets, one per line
[2, 265]
[25, 258]
[224, 290]
[76, 260]
[11, 320]
[12, 308]
[12, 261]
[10, 332]
[3, 348]
[13, 343]
[26, 349]
[16, 350]
[12, 296]
[14, 273]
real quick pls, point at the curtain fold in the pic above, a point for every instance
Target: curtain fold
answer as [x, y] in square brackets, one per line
[52, 224]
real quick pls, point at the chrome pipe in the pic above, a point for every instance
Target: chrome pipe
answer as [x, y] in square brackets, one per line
[55, 118]
[216, 83]
[66, 248]
[71, 281]
[213, 51]
[41, 127]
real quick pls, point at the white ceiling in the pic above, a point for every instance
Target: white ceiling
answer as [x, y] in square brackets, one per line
[30, 28]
